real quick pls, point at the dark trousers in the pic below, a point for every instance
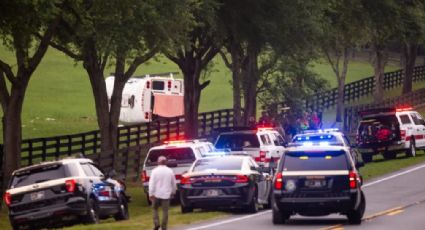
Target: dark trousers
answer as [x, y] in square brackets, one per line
[165, 204]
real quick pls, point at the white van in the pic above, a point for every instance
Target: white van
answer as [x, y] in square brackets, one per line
[149, 95]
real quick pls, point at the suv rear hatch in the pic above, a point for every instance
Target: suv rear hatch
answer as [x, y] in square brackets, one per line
[308, 174]
[179, 159]
[243, 143]
[38, 187]
[378, 131]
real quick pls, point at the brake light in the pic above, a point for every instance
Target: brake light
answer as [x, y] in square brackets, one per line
[145, 177]
[263, 156]
[70, 185]
[7, 198]
[278, 183]
[169, 84]
[242, 179]
[148, 84]
[185, 180]
[352, 179]
[146, 115]
[104, 192]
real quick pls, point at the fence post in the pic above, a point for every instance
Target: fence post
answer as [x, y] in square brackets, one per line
[30, 152]
[57, 139]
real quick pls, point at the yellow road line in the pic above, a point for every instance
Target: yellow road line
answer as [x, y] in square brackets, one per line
[395, 212]
[382, 213]
[334, 227]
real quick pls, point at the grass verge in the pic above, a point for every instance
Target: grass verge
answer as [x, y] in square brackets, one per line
[141, 215]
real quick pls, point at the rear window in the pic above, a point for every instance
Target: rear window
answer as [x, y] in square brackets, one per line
[237, 141]
[221, 163]
[301, 161]
[173, 155]
[158, 85]
[405, 119]
[38, 175]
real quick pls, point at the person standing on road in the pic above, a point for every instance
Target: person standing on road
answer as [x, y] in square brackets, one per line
[162, 187]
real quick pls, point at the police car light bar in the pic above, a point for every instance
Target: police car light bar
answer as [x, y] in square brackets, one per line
[402, 109]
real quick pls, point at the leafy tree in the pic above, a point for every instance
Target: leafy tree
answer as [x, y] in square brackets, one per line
[201, 45]
[19, 21]
[124, 33]
[412, 33]
[381, 23]
[341, 33]
[258, 34]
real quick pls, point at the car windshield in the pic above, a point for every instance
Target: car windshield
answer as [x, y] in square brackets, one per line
[317, 139]
[306, 161]
[237, 141]
[38, 175]
[219, 163]
[173, 155]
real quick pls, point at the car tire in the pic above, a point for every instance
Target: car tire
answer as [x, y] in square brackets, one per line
[367, 157]
[123, 210]
[16, 226]
[186, 209]
[279, 217]
[269, 202]
[355, 216]
[92, 216]
[412, 149]
[252, 207]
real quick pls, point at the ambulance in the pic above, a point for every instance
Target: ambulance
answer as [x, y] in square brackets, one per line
[149, 96]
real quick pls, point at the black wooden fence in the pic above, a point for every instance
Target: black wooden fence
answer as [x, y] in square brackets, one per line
[351, 114]
[133, 142]
[358, 89]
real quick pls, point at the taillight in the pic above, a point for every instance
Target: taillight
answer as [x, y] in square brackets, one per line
[185, 180]
[146, 115]
[148, 84]
[169, 84]
[278, 182]
[242, 179]
[105, 192]
[403, 134]
[352, 179]
[70, 185]
[145, 177]
[7, 198]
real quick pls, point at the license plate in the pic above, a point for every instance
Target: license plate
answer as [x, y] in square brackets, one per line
[315, 183]
[37, 195]
[211, 192]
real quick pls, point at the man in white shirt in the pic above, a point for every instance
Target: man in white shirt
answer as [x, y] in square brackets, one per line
[162, 187]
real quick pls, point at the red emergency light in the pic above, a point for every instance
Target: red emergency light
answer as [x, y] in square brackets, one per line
[264, 128]
[402, 109]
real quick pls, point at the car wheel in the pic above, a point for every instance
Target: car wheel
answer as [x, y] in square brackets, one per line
[123, 209]
[92, 216]
[355, 216]
[389, 155]
[253, 204]
[186, 209]
[367, 157]
[279, 217]
[412, 149]
[16, 226]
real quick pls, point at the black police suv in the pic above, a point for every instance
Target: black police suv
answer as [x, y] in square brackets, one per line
[317, 181]
[58, 193]
[225, 182]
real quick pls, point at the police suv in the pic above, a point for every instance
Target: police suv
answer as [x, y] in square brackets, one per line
[265, 145]
[51, 194]
[390, 131]
[317, 180]
[180, 155]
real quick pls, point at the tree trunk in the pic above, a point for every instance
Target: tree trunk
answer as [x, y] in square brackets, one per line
[236, 54]
[251, 79]
[12, 130]
[341, 85]
[378, 66]
[410, 53]
[192, 97]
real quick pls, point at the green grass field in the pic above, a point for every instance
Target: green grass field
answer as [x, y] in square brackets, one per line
[59, 100]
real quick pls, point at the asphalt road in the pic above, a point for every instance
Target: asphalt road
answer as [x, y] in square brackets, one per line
[394, 201]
